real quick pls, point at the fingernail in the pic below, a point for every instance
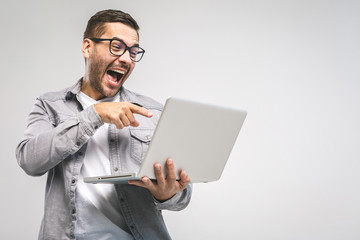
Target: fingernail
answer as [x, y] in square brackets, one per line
[170, 161]
[157, 167]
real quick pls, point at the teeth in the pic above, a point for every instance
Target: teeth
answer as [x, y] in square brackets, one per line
[118, 71]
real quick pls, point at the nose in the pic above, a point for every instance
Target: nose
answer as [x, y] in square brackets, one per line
[125, 58]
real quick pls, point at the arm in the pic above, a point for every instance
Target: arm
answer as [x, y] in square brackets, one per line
[45, 145]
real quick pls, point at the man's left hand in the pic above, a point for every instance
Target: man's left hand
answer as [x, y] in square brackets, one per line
[165, 187]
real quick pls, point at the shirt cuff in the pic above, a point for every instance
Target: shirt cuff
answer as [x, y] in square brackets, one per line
[173, 200]
[90, 120]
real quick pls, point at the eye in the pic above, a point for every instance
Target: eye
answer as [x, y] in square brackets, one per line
[117, 46]
[134, 51]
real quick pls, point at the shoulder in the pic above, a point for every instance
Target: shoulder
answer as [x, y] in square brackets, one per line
[62, 94]
[54, 96]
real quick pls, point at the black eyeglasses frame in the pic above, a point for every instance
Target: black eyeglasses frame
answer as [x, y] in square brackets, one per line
[127, 48]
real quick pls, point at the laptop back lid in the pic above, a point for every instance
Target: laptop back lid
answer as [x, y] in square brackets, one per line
[199, 138]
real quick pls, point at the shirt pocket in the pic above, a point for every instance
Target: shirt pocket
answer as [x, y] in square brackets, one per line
[139, 142]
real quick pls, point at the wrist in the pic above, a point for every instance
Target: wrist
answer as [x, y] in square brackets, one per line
[163, 199]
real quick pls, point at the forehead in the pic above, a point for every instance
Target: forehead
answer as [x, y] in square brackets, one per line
[121, 31]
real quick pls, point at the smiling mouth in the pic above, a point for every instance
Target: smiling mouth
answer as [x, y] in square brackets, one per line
[115, 75]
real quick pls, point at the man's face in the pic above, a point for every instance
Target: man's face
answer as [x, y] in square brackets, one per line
[106, 73]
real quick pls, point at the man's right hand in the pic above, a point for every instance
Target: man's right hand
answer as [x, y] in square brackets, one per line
[120, 113]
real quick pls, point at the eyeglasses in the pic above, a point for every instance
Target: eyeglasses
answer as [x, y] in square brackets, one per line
[117, 47]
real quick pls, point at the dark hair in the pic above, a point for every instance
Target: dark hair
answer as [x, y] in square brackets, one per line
[96, 24]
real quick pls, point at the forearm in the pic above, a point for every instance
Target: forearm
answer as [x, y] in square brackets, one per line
[45, 145]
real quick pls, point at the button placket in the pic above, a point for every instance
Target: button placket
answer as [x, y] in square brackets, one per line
[113, 146]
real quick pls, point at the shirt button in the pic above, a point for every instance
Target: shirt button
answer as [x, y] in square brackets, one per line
[147, 137]
[78, 144]
[80, 153]
[73, 211]
[96, 127]
[73, 181]
[116, 169]
[68, 96]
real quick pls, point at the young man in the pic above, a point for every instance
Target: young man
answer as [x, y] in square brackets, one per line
[94, 128]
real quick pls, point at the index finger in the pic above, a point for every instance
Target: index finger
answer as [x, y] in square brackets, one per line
[137, 108]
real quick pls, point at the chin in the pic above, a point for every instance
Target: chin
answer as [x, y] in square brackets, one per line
[111, 93]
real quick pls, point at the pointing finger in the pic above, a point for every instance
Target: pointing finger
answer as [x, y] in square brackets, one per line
[140, 110]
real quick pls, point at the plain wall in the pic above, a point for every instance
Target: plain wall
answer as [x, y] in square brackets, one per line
[293, 65]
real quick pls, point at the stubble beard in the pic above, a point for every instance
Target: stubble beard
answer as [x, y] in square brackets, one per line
[96, 75]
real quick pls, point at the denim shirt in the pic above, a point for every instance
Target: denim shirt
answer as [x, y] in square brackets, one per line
[55, 141]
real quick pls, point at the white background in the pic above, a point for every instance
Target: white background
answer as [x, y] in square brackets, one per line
[293, 65]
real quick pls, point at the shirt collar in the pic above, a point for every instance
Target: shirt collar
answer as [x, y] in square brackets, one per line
[76, 88]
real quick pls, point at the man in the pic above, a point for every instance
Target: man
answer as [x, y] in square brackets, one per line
[98, 127]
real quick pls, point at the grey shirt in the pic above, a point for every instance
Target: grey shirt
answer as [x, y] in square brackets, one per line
[55, 141]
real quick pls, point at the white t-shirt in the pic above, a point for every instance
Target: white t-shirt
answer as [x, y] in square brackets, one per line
[97, 208]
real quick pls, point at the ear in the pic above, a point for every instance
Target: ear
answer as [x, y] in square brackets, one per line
[86, 48]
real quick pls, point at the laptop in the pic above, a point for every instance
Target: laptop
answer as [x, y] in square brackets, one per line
[198, 137]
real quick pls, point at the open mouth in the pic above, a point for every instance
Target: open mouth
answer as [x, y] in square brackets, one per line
[115, 75]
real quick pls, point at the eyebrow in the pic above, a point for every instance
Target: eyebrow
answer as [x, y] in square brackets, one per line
[135, 45]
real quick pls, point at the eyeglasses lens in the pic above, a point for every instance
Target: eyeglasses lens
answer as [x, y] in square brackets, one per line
[118, 48]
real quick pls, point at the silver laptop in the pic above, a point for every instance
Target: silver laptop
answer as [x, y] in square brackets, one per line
[199, 138]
